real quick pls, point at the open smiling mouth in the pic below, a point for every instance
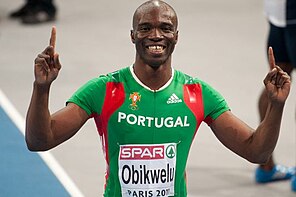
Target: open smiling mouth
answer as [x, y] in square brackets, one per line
[156, 49]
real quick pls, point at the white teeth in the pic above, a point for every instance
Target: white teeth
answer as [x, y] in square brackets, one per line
[155, 47]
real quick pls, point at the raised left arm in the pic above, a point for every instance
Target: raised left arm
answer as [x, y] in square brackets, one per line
[257, 145]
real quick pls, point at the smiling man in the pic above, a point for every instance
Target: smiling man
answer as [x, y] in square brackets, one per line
[148, 114]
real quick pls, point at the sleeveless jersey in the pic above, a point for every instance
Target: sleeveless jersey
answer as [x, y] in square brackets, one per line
[146, 135]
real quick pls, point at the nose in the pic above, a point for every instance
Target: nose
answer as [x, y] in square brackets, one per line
[156, 34]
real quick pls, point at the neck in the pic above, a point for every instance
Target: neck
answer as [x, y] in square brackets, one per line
[153, 77]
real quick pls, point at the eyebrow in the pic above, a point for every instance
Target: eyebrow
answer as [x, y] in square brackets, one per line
[149, 24]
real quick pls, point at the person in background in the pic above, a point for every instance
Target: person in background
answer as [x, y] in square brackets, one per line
[281, 16]
[35, 12]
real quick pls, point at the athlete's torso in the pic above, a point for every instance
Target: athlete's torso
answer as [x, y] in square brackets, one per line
[146, 134]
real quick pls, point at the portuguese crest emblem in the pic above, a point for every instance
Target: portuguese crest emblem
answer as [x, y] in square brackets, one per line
[134, 97]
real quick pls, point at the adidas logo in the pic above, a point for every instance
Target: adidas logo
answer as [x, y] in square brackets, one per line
[174, 99]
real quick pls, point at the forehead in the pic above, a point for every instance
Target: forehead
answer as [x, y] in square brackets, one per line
[155, 14]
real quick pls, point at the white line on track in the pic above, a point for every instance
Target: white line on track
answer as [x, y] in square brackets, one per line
[46, 156]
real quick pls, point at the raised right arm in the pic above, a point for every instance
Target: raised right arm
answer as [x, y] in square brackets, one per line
[43, 130]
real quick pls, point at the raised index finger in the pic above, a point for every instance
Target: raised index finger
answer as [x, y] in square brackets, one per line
[271, 58]
[52, 41]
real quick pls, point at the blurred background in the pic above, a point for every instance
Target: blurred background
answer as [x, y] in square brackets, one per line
[221, 42]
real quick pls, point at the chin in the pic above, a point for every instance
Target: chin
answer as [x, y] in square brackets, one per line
[155, 63]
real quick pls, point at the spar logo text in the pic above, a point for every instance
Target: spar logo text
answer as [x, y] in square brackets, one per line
[142, 152]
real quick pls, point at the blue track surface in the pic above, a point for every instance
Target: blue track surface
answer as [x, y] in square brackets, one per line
[23, 173]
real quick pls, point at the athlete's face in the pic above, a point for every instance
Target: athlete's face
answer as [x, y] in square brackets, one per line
[155, 34]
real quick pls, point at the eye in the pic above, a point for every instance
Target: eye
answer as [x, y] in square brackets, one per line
[144, 28]
[167, 29]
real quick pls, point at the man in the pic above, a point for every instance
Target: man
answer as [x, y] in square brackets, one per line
[147, 114]
[281, 16]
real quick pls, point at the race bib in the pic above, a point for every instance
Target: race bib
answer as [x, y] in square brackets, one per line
[147, 170]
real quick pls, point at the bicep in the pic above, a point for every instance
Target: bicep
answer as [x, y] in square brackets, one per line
[66, 122]
[232, 132]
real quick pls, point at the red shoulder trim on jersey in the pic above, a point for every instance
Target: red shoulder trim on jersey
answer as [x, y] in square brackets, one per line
[113, 100]
[193, 99]
[209, 120]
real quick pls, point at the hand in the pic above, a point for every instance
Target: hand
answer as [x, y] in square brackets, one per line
[47, 64]
[277, 82]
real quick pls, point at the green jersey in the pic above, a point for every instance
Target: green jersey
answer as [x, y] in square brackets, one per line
[146, 135]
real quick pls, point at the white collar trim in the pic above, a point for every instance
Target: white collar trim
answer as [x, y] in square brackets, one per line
[146, 87]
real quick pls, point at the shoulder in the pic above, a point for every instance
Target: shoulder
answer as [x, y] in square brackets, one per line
[187, 79]
[195, 83]
[115, 76]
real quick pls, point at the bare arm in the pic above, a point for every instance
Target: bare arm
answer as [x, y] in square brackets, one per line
[43, 130]
[257, 145]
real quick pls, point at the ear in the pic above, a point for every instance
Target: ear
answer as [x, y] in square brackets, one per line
[176, 37]
[132, 36]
